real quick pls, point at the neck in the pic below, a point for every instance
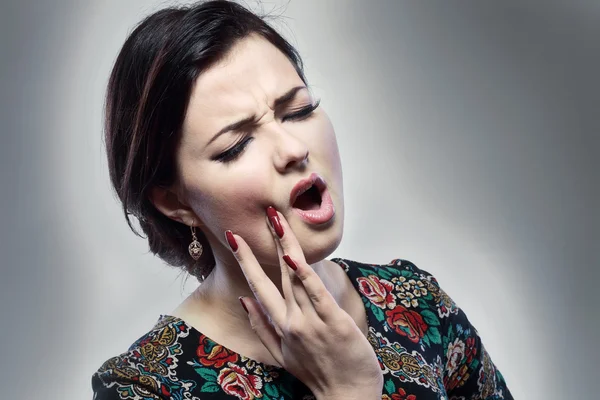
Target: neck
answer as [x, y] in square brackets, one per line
[219, 293]
[227, 283]
[214, 308]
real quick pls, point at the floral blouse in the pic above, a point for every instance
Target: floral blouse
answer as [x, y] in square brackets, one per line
[426, 346]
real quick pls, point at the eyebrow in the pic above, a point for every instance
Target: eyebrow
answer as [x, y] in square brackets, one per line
[279, 102]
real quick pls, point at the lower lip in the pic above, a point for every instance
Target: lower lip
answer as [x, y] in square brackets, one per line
[322, 214]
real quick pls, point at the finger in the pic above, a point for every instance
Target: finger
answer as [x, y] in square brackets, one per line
[314, 297]
[263, 288]
[292, 287]
[288, 245]
[286, 275]
[263, 328]
[320, 299]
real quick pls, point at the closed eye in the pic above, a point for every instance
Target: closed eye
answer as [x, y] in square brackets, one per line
[236, 150]
[301, 114]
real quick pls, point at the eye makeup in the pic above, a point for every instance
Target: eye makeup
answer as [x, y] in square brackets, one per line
[234, 151]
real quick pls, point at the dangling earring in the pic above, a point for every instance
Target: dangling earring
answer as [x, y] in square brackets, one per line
[195, 247]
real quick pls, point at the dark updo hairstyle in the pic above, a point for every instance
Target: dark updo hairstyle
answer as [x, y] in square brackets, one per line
[147, 96]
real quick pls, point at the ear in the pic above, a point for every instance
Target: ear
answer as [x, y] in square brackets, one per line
[167, 201]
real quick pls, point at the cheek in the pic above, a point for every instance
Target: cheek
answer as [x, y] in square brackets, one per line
[230, 203]
[236, 200]
[324, 143]
[326, 150]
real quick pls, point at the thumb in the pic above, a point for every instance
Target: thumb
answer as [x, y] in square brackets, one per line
[263, 328]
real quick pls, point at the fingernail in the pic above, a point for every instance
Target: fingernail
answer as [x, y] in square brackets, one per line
[290, 262]
[231, 241]
[241, 299]
[275, 222]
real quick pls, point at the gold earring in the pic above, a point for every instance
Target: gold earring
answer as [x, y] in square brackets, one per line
[195, 247]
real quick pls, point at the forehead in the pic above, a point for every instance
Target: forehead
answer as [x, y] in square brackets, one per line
[246, 81]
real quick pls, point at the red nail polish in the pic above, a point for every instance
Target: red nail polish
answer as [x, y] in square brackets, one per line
[290, 262]
[275, 222]
[231, 241]
[241, 299]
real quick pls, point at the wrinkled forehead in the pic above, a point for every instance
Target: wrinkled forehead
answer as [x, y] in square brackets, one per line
[247, 81]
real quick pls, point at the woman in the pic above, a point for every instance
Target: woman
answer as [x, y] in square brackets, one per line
[217, 146]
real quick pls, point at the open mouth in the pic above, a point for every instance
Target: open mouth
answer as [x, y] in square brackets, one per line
[309, 200]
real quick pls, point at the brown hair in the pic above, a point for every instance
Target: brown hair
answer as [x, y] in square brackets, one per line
[147, 96]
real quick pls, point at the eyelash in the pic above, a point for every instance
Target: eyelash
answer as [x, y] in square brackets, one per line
[238, 148]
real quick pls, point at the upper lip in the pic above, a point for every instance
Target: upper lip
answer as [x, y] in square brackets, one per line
[305, 184]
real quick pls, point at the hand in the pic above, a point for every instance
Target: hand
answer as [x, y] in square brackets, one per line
[305, 331]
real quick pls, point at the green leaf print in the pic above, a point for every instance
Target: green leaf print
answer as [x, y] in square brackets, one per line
[445, 342]
[384, 273]
[210, 387]
[272, 391]
[426, 341]
[451, 334]
[434, 335]
[285, 392]
[378, 313]
[407, 274]
[365, 272]
[430, 317]
[210, 375]
[422, 303]
[390, 387]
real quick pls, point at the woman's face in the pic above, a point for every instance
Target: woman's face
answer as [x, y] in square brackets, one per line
[227, 180]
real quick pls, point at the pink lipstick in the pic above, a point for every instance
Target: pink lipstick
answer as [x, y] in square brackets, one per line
[311, 200]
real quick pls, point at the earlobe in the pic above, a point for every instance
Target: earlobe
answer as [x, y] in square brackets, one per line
[167, 202]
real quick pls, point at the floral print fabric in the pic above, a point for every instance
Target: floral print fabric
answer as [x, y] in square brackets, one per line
[426, 348]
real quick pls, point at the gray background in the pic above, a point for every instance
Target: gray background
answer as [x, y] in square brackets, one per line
[469, 135]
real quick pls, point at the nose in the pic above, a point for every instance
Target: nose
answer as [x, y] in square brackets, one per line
[290, 152]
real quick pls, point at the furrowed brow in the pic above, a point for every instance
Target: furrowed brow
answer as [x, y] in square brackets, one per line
[278, 103]
[287, 97]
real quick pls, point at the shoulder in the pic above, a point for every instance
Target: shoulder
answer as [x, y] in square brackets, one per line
[399, 283]
[396, 268]
[409, 302]
[147, 369]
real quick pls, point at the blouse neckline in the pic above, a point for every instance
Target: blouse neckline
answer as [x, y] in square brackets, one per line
[244, 358]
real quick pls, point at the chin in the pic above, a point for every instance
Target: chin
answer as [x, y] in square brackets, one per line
[319, 245]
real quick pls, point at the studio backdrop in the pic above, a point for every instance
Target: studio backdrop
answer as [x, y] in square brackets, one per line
[469, 136]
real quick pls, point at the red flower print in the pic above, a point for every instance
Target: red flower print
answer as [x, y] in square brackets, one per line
[235, 381]
[471, 350]
[212, 354]
[400, 317]
[378, 291]
[401, 395]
